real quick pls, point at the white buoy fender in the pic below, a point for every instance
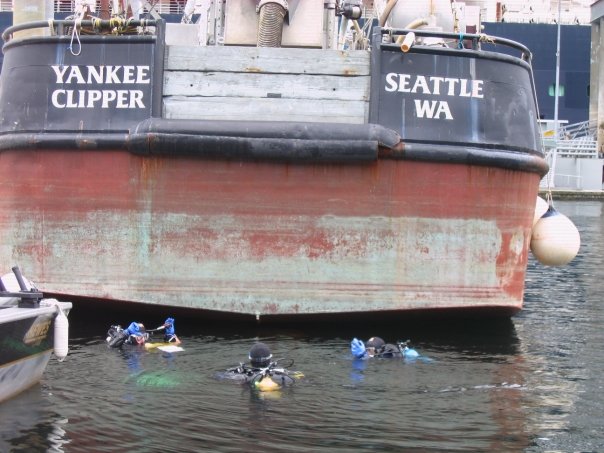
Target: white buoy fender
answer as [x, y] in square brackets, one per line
[61, 346]
[540, 208]
[555, 240]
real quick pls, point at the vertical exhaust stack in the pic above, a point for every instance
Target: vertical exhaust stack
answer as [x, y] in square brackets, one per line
[270, 22]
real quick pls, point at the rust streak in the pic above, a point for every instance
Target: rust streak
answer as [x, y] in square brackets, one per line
[396, 151]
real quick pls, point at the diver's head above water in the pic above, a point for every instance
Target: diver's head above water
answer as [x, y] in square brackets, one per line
[374, 346]
[260, 355]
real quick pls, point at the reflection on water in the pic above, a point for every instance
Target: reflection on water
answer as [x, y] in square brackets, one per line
[561, 337]
[532, 383]
[30, 423]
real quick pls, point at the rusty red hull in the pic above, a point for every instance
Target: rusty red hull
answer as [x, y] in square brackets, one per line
[264, 239]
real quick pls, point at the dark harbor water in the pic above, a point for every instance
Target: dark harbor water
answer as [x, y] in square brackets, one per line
[533, 383]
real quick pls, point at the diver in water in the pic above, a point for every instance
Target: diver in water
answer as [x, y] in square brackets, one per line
[169, 331]
[261, 373]
[135, 334]
[377, 347]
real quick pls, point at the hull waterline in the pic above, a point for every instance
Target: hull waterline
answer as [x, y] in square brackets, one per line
[266, 239]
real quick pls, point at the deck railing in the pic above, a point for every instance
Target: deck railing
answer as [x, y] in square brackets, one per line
[578, 147]
[59, 27]
[68, 6]
[578, 130]
[573, 140]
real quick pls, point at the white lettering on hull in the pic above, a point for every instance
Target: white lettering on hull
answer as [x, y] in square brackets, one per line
[432, 109]
[90, 99]
[93, 76]
[433, 86]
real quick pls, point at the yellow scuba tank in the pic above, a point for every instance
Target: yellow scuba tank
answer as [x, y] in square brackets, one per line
[266, 384]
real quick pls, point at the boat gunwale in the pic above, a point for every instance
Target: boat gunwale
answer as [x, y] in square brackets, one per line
[15, 313]
[462, 153]
[460, 53]
[475, 38]
[7, 34]
[526, 55]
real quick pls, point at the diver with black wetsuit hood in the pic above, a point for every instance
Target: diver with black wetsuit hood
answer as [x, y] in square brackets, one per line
[377, 347]
[261, 372]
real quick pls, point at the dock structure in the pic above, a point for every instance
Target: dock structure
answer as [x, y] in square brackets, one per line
[596, 97]
[572, 155]
[575, 152]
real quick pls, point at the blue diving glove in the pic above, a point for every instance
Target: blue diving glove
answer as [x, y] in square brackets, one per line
[357, 347]
[133, 329]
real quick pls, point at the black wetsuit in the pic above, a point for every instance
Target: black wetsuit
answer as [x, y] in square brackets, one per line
[246, 374]
[116, 336]
[388, 351]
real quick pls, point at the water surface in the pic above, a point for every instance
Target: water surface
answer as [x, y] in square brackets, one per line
[532, 383]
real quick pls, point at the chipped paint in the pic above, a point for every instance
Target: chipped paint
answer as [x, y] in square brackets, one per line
[267, 238]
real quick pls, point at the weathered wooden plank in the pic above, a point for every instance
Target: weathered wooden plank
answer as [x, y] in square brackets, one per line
[267, 60]
[265, 109]
[289, 86]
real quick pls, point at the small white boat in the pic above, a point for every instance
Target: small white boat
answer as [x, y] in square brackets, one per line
[31, 328]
